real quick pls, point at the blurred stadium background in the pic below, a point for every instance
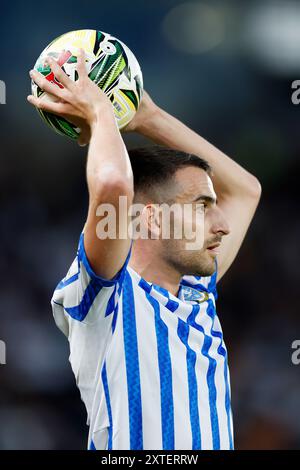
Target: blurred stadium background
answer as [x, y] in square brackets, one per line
[225, 68]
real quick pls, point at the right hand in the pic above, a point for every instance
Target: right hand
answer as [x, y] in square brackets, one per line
[80, 102]
[146, 112]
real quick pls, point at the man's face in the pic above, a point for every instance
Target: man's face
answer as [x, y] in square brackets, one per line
[193, 188]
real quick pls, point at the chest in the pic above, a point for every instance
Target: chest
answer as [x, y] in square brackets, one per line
[157, 329]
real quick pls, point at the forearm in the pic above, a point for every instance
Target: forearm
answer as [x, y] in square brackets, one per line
[229, 178]
[107, 156]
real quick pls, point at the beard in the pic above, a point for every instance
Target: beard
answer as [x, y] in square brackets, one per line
[189, 262]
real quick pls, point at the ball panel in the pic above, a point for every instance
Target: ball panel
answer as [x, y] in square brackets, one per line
[74, 40]
[109, 63]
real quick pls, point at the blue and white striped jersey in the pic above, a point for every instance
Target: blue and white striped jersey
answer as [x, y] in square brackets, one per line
[151, 367]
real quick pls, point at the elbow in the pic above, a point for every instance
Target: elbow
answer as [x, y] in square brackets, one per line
[254, 188]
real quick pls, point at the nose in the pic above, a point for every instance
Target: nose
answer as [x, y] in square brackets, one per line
[220, 224]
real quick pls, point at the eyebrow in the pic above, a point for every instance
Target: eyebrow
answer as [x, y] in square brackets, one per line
[207, 199]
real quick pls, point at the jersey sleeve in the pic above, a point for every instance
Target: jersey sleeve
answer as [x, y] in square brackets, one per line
[84, 296]
[85, 308]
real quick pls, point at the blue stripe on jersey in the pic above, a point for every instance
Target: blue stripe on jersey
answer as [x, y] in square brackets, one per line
[210, 377]
[114, 320]
[212, 286]
[183, 282]
[227, 404]
[79, 312]
[92, 446]
[115, 316]
[82, 258]
[171, 305]
[145, 285]
[222, 352]
[111, 302]
[183, 333]
[66, 282]
[165, 374]
[108, 405]
[132, 366]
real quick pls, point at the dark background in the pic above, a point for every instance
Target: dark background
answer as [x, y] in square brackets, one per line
[225, 68]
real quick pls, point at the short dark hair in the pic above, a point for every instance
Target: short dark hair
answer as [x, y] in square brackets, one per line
[155, 165]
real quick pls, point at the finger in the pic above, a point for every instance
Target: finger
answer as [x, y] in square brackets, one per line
[59, 74]
[81, 63]
[58, 107]
[47, 86]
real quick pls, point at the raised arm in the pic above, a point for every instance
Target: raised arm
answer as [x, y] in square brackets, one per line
[109, 173]
[237, 190]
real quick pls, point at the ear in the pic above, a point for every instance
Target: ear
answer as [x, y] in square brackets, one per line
[151, 220]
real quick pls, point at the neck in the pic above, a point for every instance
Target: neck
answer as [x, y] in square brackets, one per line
[151, 267]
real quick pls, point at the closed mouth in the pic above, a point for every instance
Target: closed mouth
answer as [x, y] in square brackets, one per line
[215, 245]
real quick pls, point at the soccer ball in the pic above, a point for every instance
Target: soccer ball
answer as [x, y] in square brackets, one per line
[110, 64]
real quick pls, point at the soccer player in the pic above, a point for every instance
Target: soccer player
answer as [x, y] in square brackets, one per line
[146, 345]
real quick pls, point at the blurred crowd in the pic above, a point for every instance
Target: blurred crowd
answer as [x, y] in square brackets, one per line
[224, 68]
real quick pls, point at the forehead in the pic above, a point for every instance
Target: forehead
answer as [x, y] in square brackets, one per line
[192, 182]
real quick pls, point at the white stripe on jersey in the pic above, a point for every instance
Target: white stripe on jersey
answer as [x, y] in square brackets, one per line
[151, 367]
[150, 384]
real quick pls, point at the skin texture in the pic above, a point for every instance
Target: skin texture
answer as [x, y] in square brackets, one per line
[108, 170]
[238, 191]
[162, 260]
[109, 176]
